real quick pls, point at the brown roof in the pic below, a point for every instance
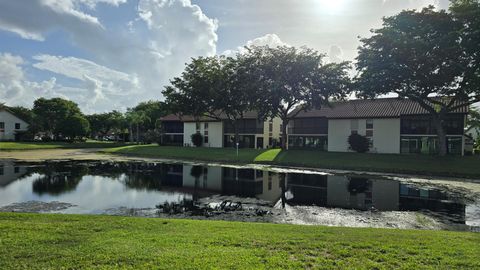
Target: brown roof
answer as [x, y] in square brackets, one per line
[189, 118]
[371, 108]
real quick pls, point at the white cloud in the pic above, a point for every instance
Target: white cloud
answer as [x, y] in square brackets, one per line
[335, 54]
[270, 40]
[129, 64]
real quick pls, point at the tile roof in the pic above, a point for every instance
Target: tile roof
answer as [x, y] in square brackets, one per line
[371, 108]
[189, 118]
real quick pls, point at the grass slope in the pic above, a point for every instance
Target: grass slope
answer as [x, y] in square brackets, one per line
[467, 166]
[13, 146]
[44, 241]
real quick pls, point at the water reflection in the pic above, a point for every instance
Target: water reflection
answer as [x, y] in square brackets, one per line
[99, 185]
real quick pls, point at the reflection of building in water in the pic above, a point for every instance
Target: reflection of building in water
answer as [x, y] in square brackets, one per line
[364, 193]
[9, 172]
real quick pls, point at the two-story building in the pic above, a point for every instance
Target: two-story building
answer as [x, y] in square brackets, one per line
[253, 132]
[392, 125]
[10, 125]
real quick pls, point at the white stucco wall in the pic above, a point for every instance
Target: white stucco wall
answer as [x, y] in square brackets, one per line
[211, 181]
[215, 133]
[10, 120]
[386, 134]
[8, 174]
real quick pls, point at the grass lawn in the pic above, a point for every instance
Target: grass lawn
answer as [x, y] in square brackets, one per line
[468, 166]
[13, 146]
[47, 241]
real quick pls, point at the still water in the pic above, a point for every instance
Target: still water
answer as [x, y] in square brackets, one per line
[95, 187]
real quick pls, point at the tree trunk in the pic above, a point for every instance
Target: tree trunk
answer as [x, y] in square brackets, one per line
[284, 134]
[138, 133]
[442, 136]
[131, 133]
[237, 135]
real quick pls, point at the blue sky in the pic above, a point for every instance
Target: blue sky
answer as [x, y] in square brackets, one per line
[111, 54]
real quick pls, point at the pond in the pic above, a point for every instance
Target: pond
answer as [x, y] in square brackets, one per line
[238, 193]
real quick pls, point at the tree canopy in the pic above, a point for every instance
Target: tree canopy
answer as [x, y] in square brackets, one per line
[422, 56]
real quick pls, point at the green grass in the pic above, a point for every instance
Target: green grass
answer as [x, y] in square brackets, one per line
[13, 146]
[467, 166]
[45, 241]
[188, 153]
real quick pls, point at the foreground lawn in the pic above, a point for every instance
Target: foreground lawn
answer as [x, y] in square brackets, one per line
[44, 241]
[468, 166]
[12, 146]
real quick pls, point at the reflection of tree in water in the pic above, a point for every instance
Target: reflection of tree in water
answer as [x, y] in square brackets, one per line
[196, 172]
[58, 178]
[144, 176]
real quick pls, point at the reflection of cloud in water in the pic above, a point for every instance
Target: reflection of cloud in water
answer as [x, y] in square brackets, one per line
[472, 212]
[93, 193]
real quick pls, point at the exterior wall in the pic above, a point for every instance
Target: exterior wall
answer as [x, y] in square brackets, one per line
[9, 172]
[212, 180]
[215, 133]
[9, 119]
[276, 133]
[386, 134]
[338, 132]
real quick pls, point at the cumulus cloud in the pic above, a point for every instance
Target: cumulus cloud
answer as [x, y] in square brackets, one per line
[335, 54]
[129, 64]
[271, 40]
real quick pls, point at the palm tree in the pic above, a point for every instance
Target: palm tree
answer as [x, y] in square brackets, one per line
[136, 118]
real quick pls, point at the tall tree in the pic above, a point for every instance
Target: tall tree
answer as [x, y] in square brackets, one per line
[473, 120]
[422, 56]
[154, 110]
[51, 112]
[216, 87]
[103, 123]
[136, 118]
[74, 127]
[290, 80]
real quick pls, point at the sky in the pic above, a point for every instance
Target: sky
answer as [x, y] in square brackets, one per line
[112, 54]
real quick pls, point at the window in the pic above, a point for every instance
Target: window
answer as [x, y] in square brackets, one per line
[369, 124]
[369, 131]
[205, 139]
[354, 126]
[2, 126]
[205, 125]
[270, 127]
[17, 125]
[16, 169]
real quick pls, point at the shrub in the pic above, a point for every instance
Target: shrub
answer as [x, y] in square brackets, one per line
[358, 143]
[152, 136]
[197, 139]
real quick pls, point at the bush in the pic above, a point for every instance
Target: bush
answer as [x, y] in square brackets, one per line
[197, 139]
[152, 136]
[358, 143]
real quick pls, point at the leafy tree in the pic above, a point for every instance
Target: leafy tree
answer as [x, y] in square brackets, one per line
[104, 123]
[197, 139]
[426, 56]
[358, 143]
[49, 113]
[136, 118]
[23, 113]
[154, 111]
[473, 120]
[216, 87]
[74, 127]
[291, 80]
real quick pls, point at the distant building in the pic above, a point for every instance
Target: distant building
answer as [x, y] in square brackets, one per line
[392, 125]
[253, 132]
[10, 125]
